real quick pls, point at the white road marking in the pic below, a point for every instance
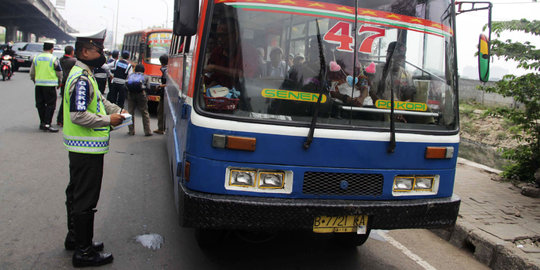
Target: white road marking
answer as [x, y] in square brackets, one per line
[407, 252]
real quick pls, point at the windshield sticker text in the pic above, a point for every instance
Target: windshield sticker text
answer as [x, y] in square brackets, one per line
[340, 34]
[292, 95]
[401, 105]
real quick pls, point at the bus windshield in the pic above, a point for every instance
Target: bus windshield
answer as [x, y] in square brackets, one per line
[157, 45]
[285, 60]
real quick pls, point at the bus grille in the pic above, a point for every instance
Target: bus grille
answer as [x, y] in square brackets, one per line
[325, 183]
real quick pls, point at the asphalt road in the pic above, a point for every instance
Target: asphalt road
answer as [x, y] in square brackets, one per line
[137, 199]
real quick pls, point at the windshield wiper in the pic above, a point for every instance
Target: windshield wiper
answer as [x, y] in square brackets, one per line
[380, 91]
[322, 80]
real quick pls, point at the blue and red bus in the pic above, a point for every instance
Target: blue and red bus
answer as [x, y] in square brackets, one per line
[359, 131]
[145, 47]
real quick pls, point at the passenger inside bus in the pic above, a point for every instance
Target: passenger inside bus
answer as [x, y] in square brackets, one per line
[398, 79]
[228, 61]
[276, 67]
[298, 60]
[341, 88]
[308, 75]
[394, 74]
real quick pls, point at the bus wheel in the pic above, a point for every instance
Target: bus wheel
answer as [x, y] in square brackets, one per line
[209, 239]
[351, 239]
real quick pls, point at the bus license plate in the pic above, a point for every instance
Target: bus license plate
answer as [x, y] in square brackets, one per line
[340, 224]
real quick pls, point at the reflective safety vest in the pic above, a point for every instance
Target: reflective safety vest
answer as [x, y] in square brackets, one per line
[84, 139]
[44, 68]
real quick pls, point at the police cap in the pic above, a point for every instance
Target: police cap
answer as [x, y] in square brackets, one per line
[48, 45]
[95, 39]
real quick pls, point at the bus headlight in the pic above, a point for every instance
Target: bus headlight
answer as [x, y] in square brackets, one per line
[413, 185]
[403, 183]
[271, 179]
[258, 180]
[423, 183]
[242, 178]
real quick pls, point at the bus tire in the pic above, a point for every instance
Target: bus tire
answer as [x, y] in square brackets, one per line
[351, 239]
[209, 239]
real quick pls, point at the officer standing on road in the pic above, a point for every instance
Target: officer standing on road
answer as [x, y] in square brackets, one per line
[117, 89]
[87, 120]
[46, 73]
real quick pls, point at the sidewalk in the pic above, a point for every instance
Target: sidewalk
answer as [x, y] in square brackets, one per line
[498, 224]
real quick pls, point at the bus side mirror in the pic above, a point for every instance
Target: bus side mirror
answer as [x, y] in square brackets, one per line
[483, 58]
[186, 13]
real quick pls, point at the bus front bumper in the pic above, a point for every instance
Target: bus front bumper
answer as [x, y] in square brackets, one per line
[212, 211]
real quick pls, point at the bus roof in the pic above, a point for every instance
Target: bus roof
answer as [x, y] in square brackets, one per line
[149, 30]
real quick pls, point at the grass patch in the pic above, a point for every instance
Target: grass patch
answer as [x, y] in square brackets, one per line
[468, 127]
[501, 136]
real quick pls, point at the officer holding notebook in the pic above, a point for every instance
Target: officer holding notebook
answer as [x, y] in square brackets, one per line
[88, 118]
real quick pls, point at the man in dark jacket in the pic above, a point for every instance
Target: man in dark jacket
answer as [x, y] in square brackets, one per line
[66, 62]
[120, 70]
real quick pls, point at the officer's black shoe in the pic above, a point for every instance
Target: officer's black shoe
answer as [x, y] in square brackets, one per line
[69, 243]
[89, 257]
[43, 127]
[51, 129]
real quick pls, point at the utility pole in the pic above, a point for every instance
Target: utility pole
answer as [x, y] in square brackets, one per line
[116, 27]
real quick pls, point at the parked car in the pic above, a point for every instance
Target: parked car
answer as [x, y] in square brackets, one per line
[17, 45]
[58, 53]
[25, 55]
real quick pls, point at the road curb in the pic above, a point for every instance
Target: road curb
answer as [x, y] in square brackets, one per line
[486, 248]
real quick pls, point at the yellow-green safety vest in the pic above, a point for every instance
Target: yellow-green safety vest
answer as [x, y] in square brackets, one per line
[44, 68]
[81, 139]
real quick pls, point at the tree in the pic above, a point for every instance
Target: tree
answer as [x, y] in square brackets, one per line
[524, 159]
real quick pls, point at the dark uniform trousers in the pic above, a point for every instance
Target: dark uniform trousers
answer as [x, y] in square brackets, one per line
[60, 115]
[45, 103]
[117, 94]
[102, 84]
[82, 193]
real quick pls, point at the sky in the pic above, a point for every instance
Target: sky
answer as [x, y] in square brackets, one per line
[92, 16]
[469, 26]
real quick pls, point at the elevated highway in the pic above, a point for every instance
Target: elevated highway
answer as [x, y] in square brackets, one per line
[38, 17]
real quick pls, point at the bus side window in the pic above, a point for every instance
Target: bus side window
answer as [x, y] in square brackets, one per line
[185, 47]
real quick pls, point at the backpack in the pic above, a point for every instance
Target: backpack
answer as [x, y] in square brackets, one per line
[135, 82]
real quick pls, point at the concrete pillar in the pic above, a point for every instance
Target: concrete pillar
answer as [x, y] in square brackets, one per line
[11, 33]
[27, 37]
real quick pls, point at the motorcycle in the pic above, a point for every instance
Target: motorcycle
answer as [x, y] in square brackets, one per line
[5, 66]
